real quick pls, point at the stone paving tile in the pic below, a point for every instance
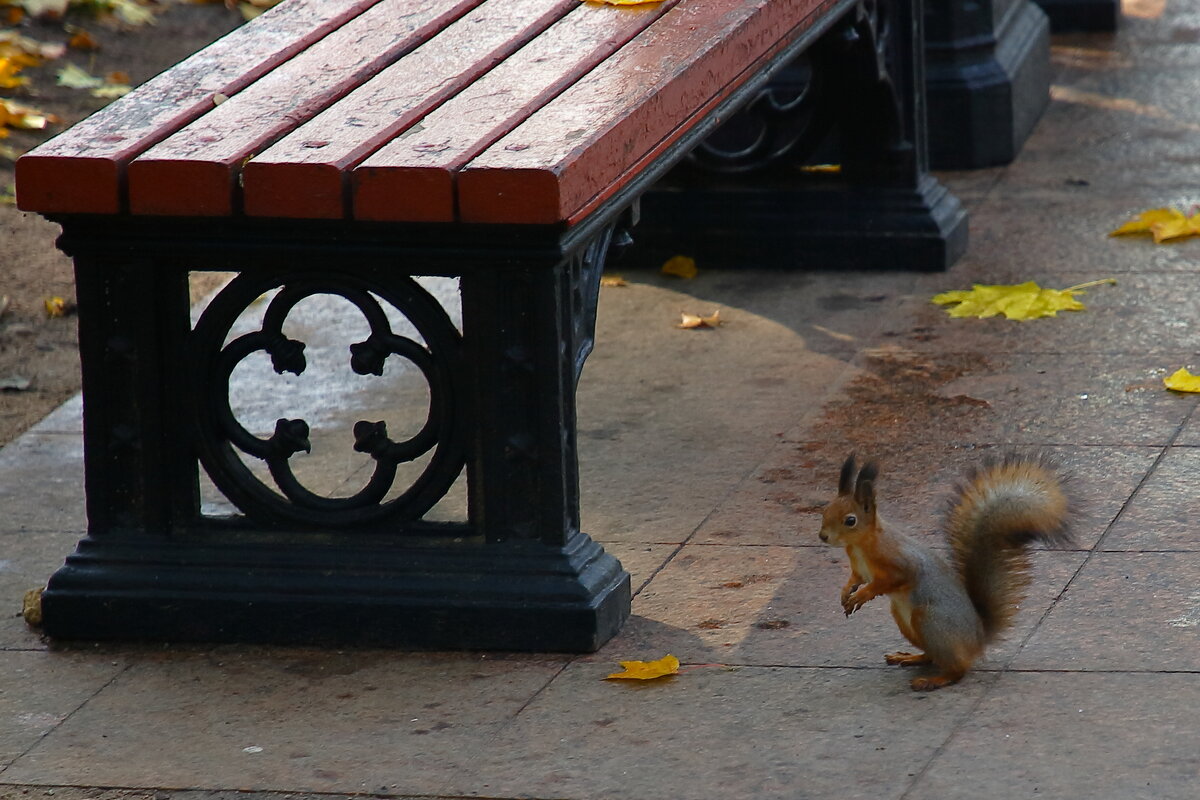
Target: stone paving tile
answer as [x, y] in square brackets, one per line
[1161, 516]
[41, 483]
[901, 394]
[1190, 435]
[713, 733]
[40, 690]
[1065, 229]
[1144, 315]
[780, 503]
[67, 418]
[1125, 611]
[658, 444]
[779, 606]
[27, 559]
[290, 720]
[1068, 736]
[33, 792]
[971, 186]
[641, 561]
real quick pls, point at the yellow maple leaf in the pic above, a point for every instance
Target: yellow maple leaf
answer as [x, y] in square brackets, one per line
[55, 307]
[16, 115]
[646, 670]
[1162, 224]
[1022, 301]
[680, 267]
[687, 320]
[613, 280]
[1182, 381]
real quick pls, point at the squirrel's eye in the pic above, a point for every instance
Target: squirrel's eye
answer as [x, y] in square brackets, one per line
[850, 521]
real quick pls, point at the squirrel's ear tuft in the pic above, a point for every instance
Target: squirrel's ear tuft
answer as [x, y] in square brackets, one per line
[846, 480]
[864, 487]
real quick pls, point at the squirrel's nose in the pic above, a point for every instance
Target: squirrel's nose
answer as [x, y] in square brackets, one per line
[824, 536]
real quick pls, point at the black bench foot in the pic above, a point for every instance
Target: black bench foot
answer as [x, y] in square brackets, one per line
[452, 595]
[1082, 15]
[921, 228]
[984, 100]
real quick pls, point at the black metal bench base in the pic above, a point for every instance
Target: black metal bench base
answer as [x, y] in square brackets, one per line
[522, 596]
[984, 99]
[1067, 16]
[876, 228]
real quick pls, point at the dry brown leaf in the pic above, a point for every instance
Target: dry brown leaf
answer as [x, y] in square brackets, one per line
[82, 40]
[687, 320]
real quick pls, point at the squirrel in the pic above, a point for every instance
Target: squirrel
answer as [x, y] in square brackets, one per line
[950, 609]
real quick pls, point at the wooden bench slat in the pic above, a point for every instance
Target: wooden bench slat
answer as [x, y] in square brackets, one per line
[194, 171]
[82, 170]
[304, 174]
[411, 178]
[583, 142]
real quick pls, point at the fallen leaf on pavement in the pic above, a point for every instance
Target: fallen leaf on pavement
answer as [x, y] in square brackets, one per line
[74, 77]
[1182, 381]
[16, 115]
[14, 383]
[45, 8]
[613, 280]
[31, 607]
[680, 267]
[1023, 301]
[687, 320]
[82, 40]
[646, 670]
[1161, 223]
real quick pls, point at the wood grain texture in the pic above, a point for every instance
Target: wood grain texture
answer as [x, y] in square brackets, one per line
[82, 170]
[412, 176]
[304, 174]
[583, 143]
[194, 172]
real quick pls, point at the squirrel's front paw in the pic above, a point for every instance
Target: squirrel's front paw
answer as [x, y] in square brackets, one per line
[853, 602]
[847, 590]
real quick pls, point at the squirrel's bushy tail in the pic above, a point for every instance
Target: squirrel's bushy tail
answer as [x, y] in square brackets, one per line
[997, 512]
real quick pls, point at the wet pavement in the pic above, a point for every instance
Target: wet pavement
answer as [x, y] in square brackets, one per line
[704, 456]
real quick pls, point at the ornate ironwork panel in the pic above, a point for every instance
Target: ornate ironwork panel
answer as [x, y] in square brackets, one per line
[220, 436]
[788, 119]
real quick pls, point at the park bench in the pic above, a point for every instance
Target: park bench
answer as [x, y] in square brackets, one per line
[341, 147]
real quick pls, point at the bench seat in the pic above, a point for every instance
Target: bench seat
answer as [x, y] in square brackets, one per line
[488, 111]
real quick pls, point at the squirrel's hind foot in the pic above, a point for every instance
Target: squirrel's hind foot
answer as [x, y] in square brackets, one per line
[934, 683]
[903, 659]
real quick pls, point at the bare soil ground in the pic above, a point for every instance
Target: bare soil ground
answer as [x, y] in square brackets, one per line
[39, 355]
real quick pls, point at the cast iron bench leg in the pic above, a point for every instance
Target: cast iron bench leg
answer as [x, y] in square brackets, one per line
[883, 211]
[297, 566]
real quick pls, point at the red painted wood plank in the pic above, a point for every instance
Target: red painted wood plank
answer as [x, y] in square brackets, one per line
[304, 174]
[584, 142]
[412, 177]
[195, 171]
[81, 171]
